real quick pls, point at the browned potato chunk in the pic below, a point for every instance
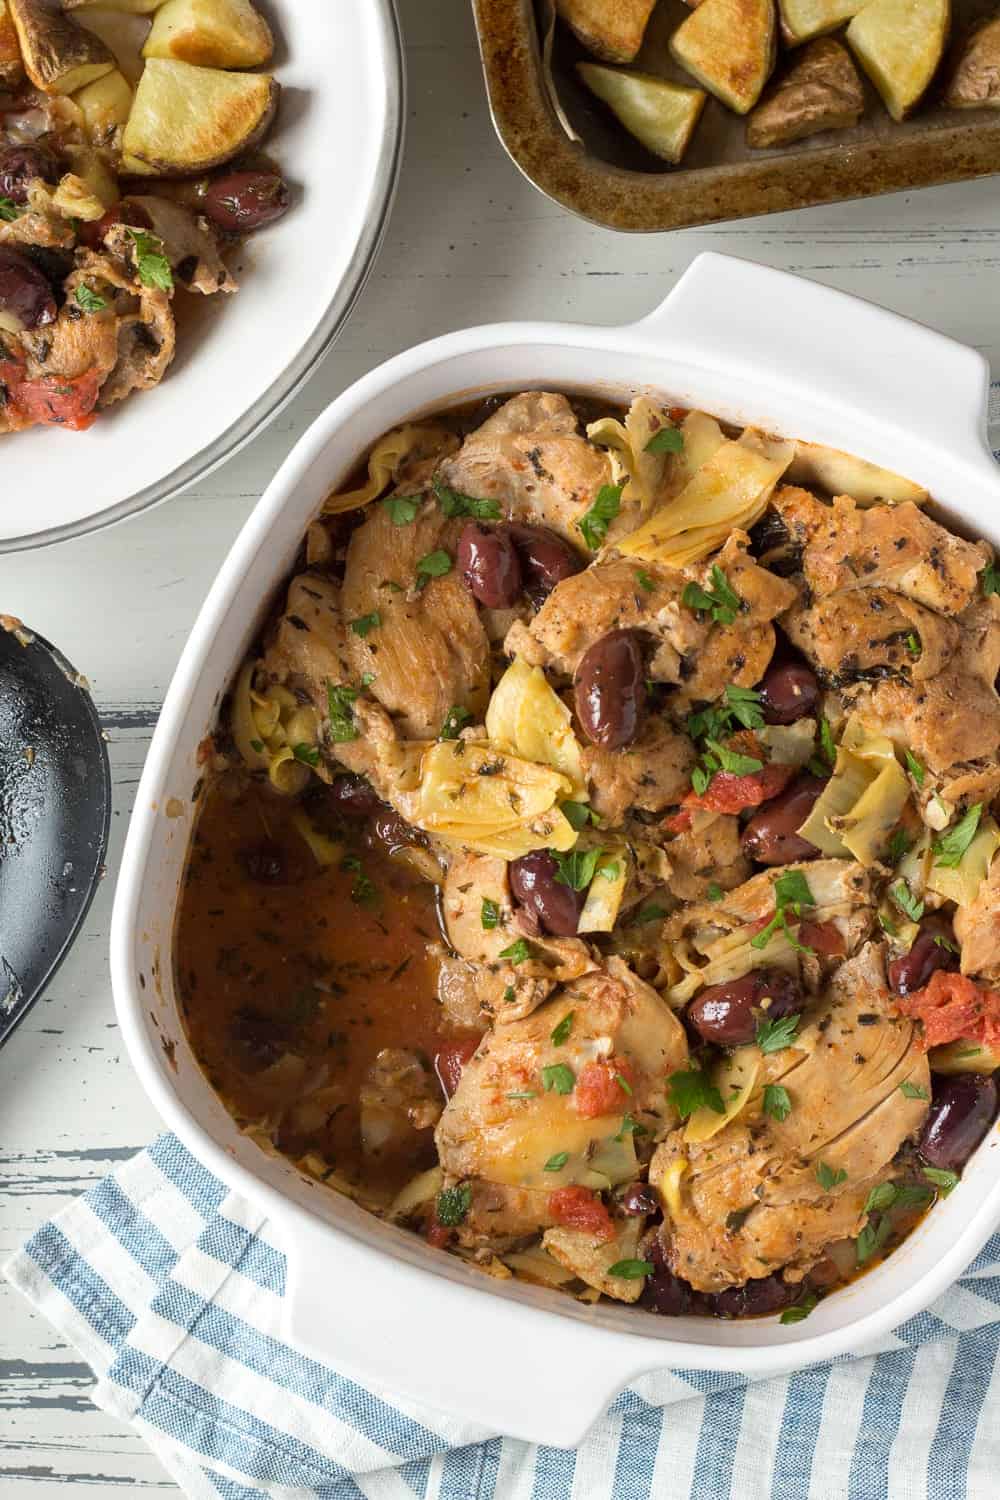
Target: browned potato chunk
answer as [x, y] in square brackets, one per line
[729, 46]
[186, 119]
[821, 92]
[975, 83]
[899, 43]
[612, 29]
[210, 33]
[11, 71]
[661, 115]
[802, 19]
[59, 56]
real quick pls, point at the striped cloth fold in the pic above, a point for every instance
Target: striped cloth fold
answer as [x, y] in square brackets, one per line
[170, 1287]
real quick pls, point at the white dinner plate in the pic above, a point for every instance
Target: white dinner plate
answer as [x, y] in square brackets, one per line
[338, 139]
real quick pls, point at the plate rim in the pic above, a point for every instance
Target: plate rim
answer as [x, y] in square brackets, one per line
[287, 385]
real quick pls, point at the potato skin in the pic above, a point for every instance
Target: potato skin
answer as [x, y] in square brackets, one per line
[975, 83]
[58, 55]
[821, 92]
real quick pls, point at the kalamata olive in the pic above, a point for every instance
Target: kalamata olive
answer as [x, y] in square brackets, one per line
[754, 1299]
[20, 165]
[388, 831]
[264, 862]
[663, 1292]
[912, 970]
[26, 298]
[788, 692]
[545, 560]
[962, 1110]
[534, 885]
[728, 1013]
[771, 836]
[489, 565]
[354, 796]
[639, 1198]
[239, 202]
[610, 690]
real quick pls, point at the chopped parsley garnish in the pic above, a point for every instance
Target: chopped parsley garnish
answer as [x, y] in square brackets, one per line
[651, 912]
[490, 914]
[257, 745]
[644, 581]
[366, 623]
[826, 744]
[733, 762]
[777, 1102]
[453, 503]
[434, 565]
[523, 1094]
[946, 943]
[307, 754]
[367, 678]
[969, 1052]
[631, 1270]
[912, 1090]
[631, 1127]
[623, 1083]
[775, 1036]
[942, 1179]
[339, 700]
[911, 1195]
[557, 1162]
[9, 210]
[402, 509]
[578, 814]
[828, 1177]
[791, 893]
[799, 1310]
[509, 995]
[887, 924]
[560, 1033]
[610, 872]
[720, 601]
[452, 1205]
[737, 705]
[913, 644]
[907, 902]
[880, 1197]
[950, 847]
[873, 1237]
[899, 844]
[558, 1078]
[606, 506]
[456, 720]
[914, 767]
[989, 578]
[89, 300]
[693, 1090]
[667, 440]
[363, 891]
[576, 869]
[715, 891]
[152, 266]
[517, 952]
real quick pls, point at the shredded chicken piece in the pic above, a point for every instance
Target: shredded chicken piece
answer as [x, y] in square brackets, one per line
[871, 633]
[146, 335]
[188, 243]
[474, 878]
[653, 774]
[977, 928]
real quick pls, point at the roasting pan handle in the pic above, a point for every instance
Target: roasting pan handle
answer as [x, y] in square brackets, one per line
[441, 1343]
[833, 360]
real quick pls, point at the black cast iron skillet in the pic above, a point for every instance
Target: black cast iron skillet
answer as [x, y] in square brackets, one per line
[55, 806]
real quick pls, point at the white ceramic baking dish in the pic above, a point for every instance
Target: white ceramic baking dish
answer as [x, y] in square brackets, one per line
[748, 344]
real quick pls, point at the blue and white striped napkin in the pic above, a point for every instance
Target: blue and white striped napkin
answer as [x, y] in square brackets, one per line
[170, 1287]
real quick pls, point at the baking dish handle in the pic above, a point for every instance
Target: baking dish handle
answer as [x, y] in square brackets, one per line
[785, 335]
[445, 1345]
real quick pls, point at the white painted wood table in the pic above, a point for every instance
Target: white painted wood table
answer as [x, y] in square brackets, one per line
[469, 242]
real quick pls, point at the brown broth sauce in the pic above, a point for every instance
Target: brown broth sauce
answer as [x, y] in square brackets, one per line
[298, 964]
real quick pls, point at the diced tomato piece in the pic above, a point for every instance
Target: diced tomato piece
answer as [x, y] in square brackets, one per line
[52, 400]
[437, 1235]
[579, 1208]
[678, 822]
[760, 923]
[822, 937]
[599, 1090]
[729, 793]
[449, 1061]
[953, 1008]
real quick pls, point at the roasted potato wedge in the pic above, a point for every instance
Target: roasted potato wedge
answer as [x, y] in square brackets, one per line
[186, 119]
[612, 29]
[899, 43]
[123, 33]
[975, 83]
[821, 92]
[131, 7]
[210, 33]
[661, 115]
[106, 104]
[59, 56]
[802, 19]
[11, 68]
[729, 46]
